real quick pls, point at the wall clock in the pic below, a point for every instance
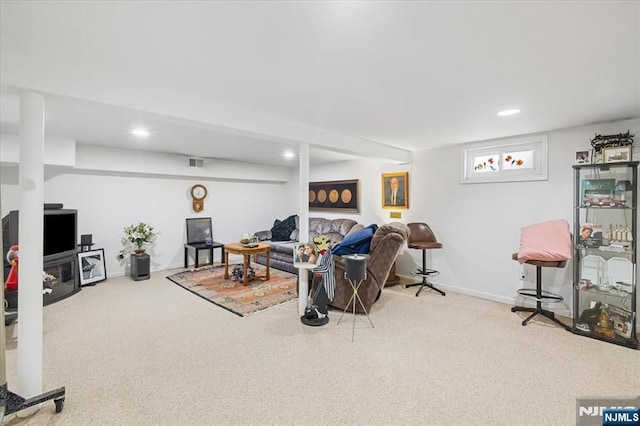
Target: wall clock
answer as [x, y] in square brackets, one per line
[198, 194]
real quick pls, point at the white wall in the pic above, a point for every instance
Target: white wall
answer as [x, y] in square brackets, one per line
[57, 150]
[108, 203]
[369, 174]
[479, 224]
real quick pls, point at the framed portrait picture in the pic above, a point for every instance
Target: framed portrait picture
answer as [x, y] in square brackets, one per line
[583, 157]
[617, 154]
[305, 254]
[395, 190]
[92, 267]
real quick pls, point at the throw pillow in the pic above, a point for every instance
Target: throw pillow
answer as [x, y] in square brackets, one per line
[358, 242]
[547, 241]
[282, 230]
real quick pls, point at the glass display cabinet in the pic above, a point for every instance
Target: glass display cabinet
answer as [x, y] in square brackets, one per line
[604, 263]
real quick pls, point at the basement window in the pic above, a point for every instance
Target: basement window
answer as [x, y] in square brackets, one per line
[505, 161]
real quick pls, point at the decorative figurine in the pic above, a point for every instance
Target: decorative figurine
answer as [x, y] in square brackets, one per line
[317, 313]
[12, 279]
[604, 327]
[589, 318]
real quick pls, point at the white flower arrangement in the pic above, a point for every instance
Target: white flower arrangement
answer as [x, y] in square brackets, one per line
[139, 235]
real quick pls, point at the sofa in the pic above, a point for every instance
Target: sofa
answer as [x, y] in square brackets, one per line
[281, 251]
[385, 245]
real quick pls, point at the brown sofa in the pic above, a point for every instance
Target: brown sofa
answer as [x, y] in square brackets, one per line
[281, 252]
[385, 246]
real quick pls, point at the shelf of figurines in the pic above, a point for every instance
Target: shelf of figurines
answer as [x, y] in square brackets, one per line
[604, 207]
[619, 289]
[608, 322]
[608, 251]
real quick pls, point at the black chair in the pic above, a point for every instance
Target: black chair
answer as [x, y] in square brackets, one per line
[423, 238]
[200, 237]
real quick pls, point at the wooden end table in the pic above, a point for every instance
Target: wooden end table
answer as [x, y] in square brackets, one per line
[246, 253]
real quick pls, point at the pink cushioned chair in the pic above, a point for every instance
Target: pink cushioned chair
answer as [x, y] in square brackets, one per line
[544, 245]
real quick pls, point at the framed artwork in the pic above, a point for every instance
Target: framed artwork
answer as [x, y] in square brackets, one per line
[92, 267]
[305, 254]
[582, 157]
[395, 190]
[199, 230]
[617, 154]
[339, 195]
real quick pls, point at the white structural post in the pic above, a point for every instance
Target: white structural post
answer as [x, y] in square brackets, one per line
[303, 208]
[3, 359]
[303, 222]
[29, 361]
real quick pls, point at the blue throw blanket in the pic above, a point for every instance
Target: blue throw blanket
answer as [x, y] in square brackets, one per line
[358, 242]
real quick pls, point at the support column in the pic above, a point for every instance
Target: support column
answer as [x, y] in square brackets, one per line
[303, 207]
[303, 224]
[31, 172]
[3, 359]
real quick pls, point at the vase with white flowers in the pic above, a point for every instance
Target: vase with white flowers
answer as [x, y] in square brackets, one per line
[140, 236]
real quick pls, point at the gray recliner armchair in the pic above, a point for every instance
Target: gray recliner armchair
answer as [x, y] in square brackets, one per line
[385, 246]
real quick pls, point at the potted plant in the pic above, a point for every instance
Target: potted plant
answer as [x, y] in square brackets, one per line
[139, 236]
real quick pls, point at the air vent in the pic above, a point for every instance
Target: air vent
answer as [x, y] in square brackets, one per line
[196, 162]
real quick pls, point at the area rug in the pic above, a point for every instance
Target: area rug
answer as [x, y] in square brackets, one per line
[243, 300]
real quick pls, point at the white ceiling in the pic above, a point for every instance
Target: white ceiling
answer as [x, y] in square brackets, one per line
[247, 80]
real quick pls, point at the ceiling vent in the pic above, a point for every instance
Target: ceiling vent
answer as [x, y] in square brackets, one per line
[196, 162]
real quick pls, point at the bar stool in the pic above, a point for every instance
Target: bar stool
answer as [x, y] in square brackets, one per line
[543, 245]
[540, 295]
[423, 238]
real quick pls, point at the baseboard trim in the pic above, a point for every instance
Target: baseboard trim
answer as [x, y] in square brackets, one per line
[560, 309]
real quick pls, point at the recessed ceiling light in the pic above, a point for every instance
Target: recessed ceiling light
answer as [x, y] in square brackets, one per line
[508, 112]
[140, 132]
[289, 154]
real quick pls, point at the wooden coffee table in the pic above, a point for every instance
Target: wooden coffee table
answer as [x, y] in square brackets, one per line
[246, 252]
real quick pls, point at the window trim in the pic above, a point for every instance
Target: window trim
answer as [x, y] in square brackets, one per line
[540, 170]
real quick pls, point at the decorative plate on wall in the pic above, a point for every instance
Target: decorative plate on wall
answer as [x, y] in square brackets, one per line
[339, 195]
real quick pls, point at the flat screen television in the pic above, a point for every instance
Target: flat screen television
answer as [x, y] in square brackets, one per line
[59, 231]
[59, 237]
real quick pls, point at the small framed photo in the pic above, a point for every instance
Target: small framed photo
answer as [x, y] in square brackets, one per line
[305, 254]
[583, 157]
[92, 267]
[395, 190]
[617, 154]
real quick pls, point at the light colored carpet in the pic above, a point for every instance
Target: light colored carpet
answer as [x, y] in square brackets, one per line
[150, 353]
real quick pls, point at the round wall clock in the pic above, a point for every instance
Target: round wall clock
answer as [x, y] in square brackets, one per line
[198, 194]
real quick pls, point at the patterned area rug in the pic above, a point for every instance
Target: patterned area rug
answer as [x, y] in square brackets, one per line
[243, 300]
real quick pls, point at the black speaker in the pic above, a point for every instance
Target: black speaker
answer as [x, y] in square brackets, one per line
[86, 241]
[140, 267]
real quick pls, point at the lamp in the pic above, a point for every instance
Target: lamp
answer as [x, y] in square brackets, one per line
[622, 186]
